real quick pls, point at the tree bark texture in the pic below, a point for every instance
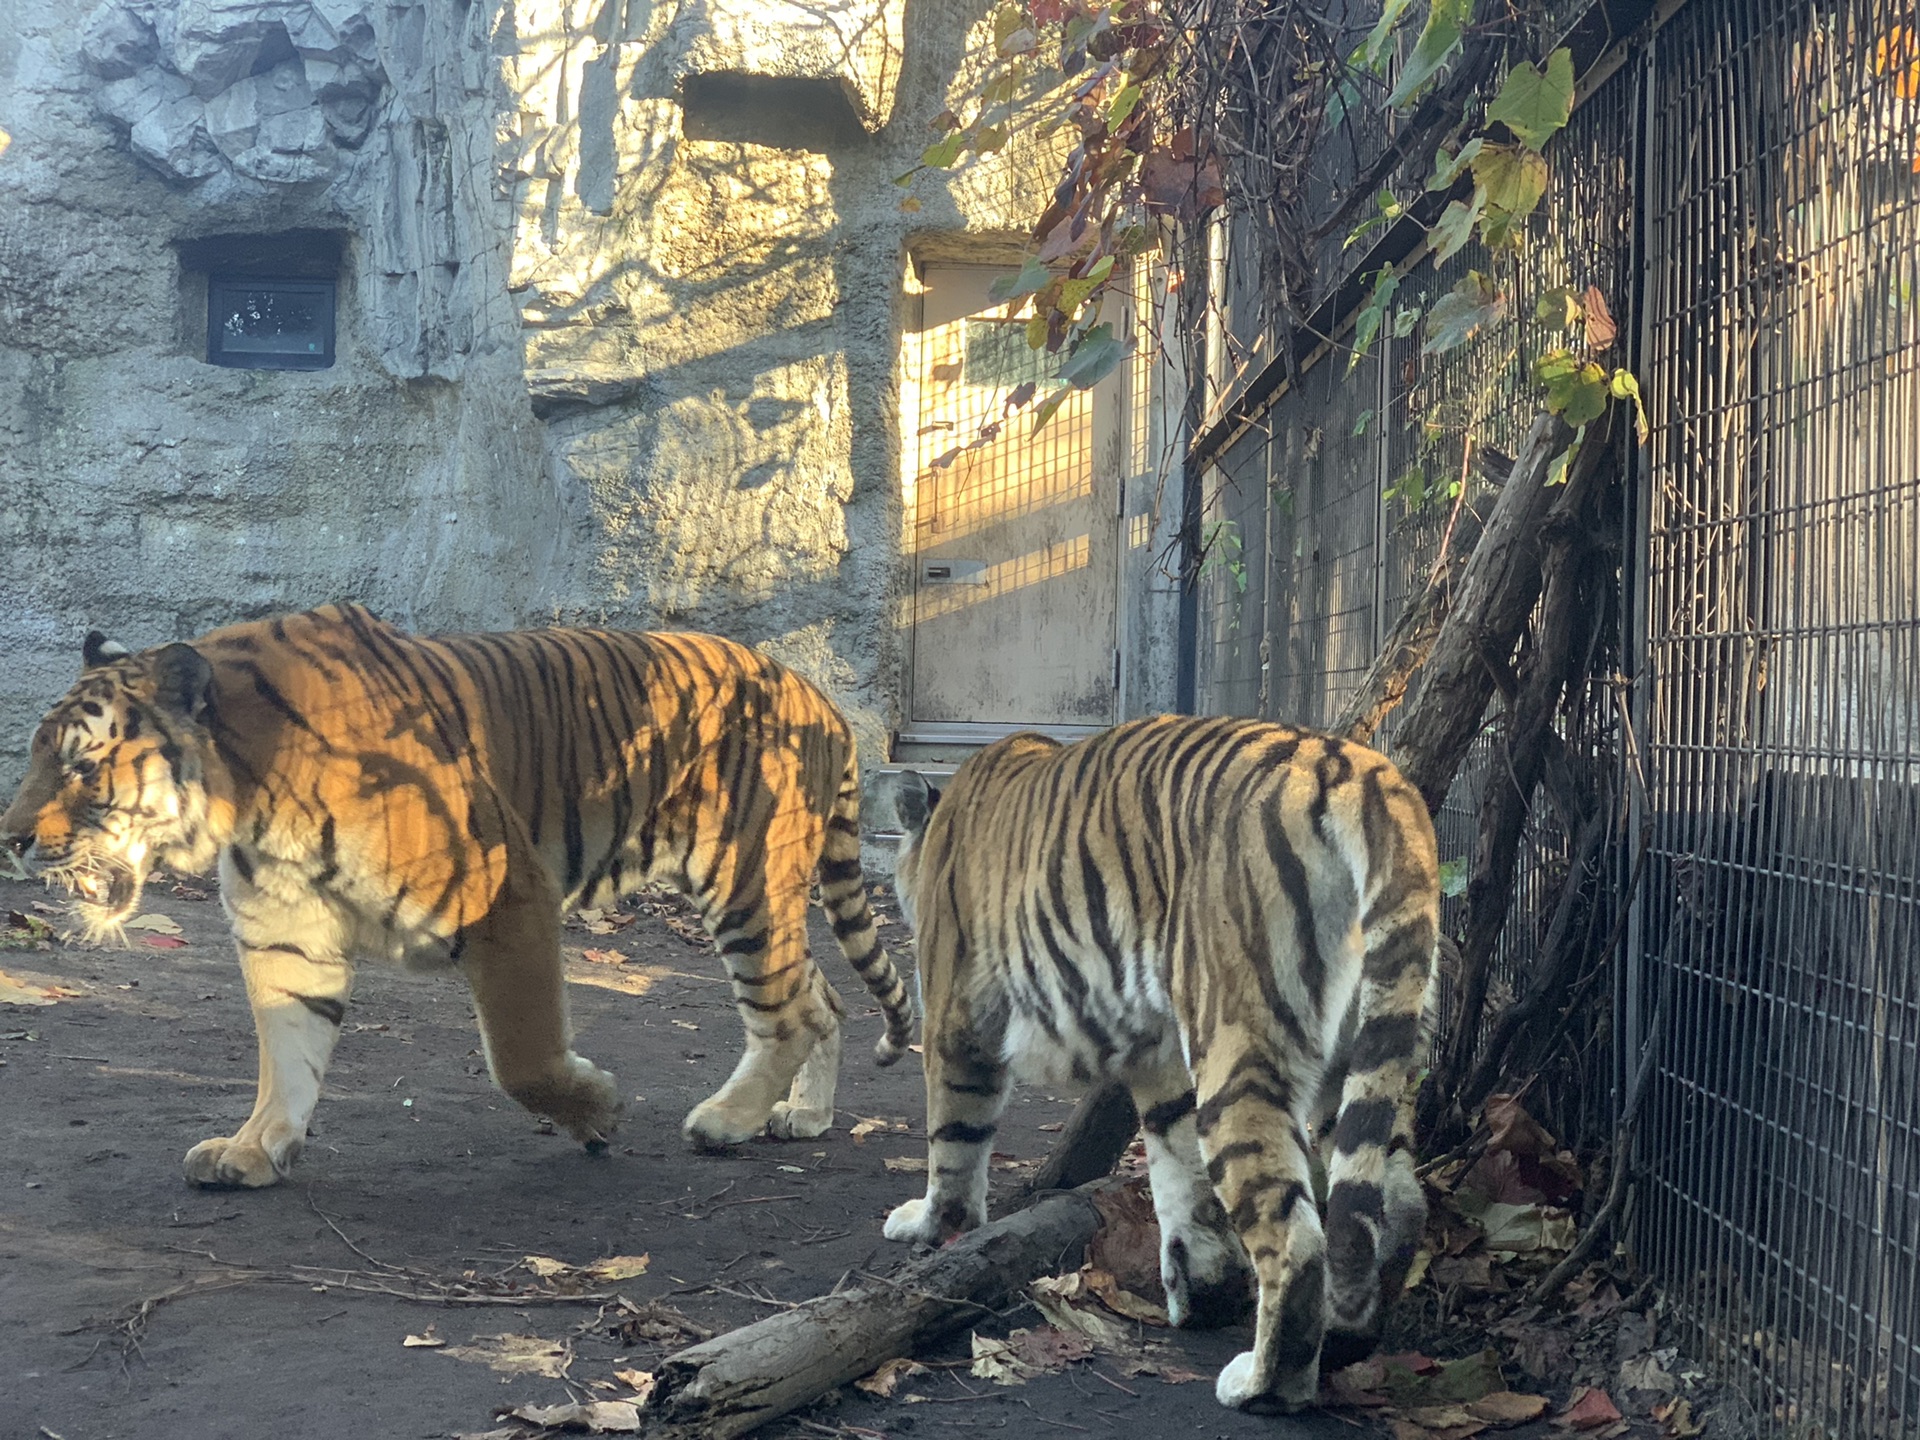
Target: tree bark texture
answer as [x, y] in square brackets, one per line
[735, 1382]
[1491, 604]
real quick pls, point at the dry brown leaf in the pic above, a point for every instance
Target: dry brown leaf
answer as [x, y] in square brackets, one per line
[545, 1266]
[26, 988]
[864, 1128]
[1507, 1407]
[604, 957]
[906, 1164]
[1589, 1409]
[997, 1361]
[514, 1355]
[1055, 1297]
[884, 1381]
[1676, 1419]
[598, 1417]
[424, 1341]
[638, 1381]
[1402, 1429]
[617, 1267]
[156, 922]
[1049, 1348]
[1123, 1301]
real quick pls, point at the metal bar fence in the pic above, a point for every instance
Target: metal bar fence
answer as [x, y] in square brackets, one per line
[1745, 191]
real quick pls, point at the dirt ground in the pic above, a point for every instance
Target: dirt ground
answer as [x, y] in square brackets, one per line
[132, 1305]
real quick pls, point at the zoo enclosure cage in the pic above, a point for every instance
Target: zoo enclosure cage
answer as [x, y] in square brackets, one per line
[1744, 188]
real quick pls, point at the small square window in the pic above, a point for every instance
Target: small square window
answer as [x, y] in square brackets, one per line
[260, 324]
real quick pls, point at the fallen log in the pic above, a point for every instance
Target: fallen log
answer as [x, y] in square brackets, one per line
[738, 1381]
[1102, 1126]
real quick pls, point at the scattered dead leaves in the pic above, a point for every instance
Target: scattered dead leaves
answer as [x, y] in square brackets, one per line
[514, 1355]
[1589, 1409]
[596, 1417]
[24, 987]
[564, 1277]
[657, 1324]
[883, 1382]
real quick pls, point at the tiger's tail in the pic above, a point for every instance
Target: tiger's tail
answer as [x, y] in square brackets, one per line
[843, 890]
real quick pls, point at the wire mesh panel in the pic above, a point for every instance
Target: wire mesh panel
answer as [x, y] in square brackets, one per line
[1782, 1146]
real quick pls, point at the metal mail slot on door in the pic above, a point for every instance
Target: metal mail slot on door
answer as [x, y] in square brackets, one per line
[953, 572]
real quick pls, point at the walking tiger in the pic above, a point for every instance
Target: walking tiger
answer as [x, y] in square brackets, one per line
[438, 802]
[1218, 912]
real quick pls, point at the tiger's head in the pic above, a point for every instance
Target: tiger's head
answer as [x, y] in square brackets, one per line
[913, 802]
[117, 780]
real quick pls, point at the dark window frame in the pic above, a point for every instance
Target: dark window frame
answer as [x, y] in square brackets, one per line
[221, 285]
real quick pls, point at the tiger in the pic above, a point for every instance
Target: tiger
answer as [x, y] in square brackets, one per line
[440, 803]
[1236, 919]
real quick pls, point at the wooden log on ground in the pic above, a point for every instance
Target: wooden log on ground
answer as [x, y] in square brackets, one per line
[1097, 1135]
[735, 1382]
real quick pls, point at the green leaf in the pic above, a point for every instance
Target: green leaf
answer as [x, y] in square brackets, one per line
[1455, 226]
[1094, 358]
[1373, 50]
[1047, 408]
[1513, 179]
[1534, 104]
[1404, 322]
[1446, 22]
[1559, 307]
[1447, 168]
[1461, 313]
[1625, 387]
[1033, 277]
[1576, 390]
[1122, 106]
[989, 140]
[1453, 878]
[1366, 325]
[942, 153]
[1360, 425]
[1410, 489]
[1557, 467]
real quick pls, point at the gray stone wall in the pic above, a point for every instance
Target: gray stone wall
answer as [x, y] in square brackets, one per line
[621, 303]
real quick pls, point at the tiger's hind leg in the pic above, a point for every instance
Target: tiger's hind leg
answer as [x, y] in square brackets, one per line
[966, 1091]
[1254, 1145]
[1202, 1263]
[808, 1109]
[1375, 1208]
[790, 1012]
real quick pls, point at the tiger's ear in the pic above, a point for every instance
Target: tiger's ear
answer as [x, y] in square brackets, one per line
[98, 650]
[913, 801]
[183, 680]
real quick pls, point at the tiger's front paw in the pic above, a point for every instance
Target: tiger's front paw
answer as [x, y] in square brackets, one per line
[231, 1162]
[913, 1223]
[1239, 1387]
[1207, 1278]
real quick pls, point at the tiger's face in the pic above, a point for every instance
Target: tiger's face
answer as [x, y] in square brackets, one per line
[116, 780]
[913, 802]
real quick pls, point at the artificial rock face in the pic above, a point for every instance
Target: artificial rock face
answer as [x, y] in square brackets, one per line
[268, 90]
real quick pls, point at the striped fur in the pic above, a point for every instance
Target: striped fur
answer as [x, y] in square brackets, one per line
[440, 801]
[1208, 910]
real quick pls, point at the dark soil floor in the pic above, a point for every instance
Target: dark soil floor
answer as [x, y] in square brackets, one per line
[116, 1318]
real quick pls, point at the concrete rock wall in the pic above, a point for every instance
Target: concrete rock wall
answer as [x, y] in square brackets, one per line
[620, 311]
